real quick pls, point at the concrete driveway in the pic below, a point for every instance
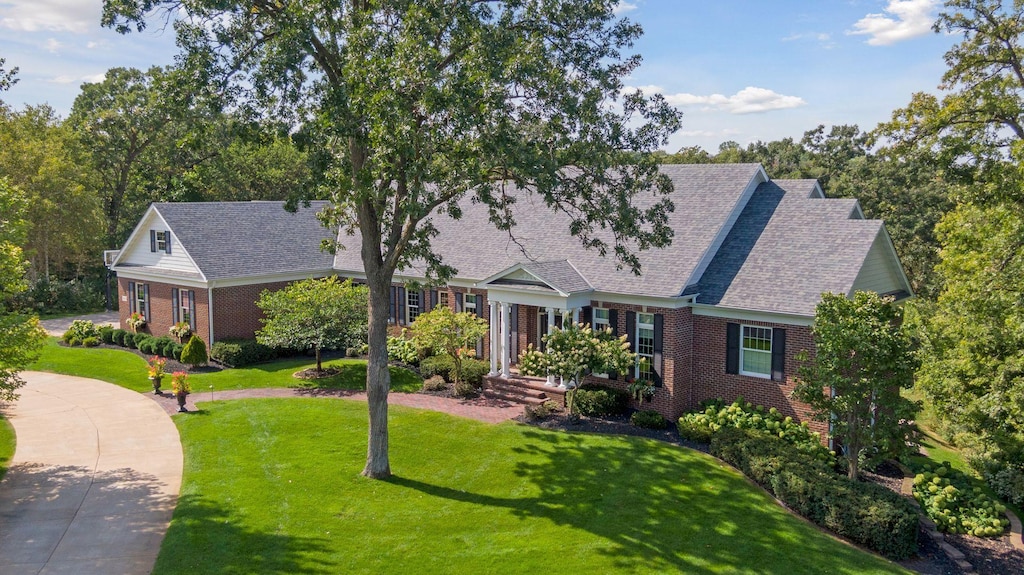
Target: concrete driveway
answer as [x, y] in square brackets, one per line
[57, 327]
[93, 483]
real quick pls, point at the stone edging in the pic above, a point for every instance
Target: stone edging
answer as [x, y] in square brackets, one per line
[1016, 539]
[954, 554]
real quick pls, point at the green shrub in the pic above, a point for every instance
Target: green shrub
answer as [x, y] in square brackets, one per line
[107, 334]
[194, 352]
[73, 341]
[161, 345]
[352, 352]
[146, 345]
[129, 340]
[403, 349]
[117, 337]
[91, 341]
[176, 350]
[956, 504]
[592, 399]
[864, 513]
[649, 419]
[241, 352]
[442, 365]
[79, 330]
[474, 370]
[1006, 479]
[139, 338]
[716, 415]
[434, 383]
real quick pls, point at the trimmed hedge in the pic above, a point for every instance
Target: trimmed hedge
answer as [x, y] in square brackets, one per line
[117, 337]
[865, 513]
[442, 365]
[241, 352]
[593, 399]
[107, 335]
[649, 419]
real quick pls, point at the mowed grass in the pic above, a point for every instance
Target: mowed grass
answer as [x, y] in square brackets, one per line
[7, 444]
[125, 368]
[273, 486]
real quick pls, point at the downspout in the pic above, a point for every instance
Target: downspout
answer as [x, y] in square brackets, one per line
[209, 309]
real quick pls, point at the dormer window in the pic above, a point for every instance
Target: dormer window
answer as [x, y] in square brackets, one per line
[160, 241]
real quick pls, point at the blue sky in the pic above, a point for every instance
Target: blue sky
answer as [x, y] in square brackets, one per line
[742, 70]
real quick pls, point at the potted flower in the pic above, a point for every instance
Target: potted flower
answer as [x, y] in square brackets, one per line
[156, 372]
[642, 390]
[136, 321]
[181, 330]
[181, 388]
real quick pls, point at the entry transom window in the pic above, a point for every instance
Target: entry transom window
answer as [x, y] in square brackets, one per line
[756, 351]
[645, 346]
[412, 299]
[161, 241]
[601, 320]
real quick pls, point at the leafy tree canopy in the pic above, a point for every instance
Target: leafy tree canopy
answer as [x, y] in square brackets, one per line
[453, 334]
[862, 359]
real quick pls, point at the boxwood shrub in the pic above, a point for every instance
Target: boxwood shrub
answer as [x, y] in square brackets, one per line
[865, 513]
[117, 337]
[442, 365]
[107, 335]
[649, 419]
[593, 399]
[241, 352]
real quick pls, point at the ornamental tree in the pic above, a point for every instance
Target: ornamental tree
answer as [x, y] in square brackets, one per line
[576, 351]
[862, 360]
[453, 334]
[314, 314]
[414, 105]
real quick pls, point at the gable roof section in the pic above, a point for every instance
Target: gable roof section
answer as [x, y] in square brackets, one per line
[137, 255]
[247, 239]
[786, 249]
[559, 276]
[705, 196]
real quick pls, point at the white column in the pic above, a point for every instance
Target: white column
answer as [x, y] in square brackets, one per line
[494, 335]
[506, 321]
[565, 318]
[551, 328]
[575, 315]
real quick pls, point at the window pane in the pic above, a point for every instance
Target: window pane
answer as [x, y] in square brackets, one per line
[601, 314]
[757, 362]
[757, 350]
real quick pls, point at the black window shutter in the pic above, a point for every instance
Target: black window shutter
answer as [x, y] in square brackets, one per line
[402, 303]
[659, 349]
[393, 312]
[778, 354]
[433, 299]
[458, 301]
[131, 297]
[175, 308]
[192, 310]
[167, 241]
[732, 348]
[423, 302]
[152, 240]
[146, 288]
[587, 316]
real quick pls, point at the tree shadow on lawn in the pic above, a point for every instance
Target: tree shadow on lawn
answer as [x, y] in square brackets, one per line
[202, 529]
[662, 508]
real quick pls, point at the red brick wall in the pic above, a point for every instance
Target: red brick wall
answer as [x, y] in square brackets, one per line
[235, 314]
[711, 381]
[160, 308]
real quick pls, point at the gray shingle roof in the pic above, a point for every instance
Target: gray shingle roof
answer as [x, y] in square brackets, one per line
[559, 275]
[705, 196]
[785, 250]
[241, 239]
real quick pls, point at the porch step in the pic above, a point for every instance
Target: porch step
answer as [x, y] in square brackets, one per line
[518, 389]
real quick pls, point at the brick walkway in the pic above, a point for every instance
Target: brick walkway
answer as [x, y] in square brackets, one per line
[481, 409]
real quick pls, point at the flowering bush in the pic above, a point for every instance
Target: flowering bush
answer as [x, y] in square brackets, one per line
[156, 366]
[136, 321]
[404, 349]
[181, 330]
[949, 499]
[180, 383]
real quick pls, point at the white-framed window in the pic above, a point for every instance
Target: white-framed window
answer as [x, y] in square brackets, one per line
[412, 305]
[442, 298]
[161, 241]
[645, 346]
[469, 303]
[601, 319]
[184, 306]
[140, 300]
[756, 351]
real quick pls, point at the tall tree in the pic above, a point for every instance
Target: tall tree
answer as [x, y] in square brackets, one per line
[8, 78]
[862, 360]
[20, 335]
[418, 104]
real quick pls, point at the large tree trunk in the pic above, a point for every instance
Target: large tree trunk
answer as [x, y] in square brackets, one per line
[378, 378]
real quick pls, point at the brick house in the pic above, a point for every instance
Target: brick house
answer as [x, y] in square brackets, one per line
[207, 263]
[722, 312]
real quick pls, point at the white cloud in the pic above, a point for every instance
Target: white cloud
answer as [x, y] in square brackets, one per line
[66, 79]
[906, 19]
[95, 78]
[749, 100]
[819, 36]
[624, 6]
[52, 45]
[62, 79]
[77, 16]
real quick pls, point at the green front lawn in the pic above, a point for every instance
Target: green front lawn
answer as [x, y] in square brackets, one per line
[128, 370]
[7, 444]
[273, 486]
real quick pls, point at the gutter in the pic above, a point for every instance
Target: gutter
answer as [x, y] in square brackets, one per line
[209, 309]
